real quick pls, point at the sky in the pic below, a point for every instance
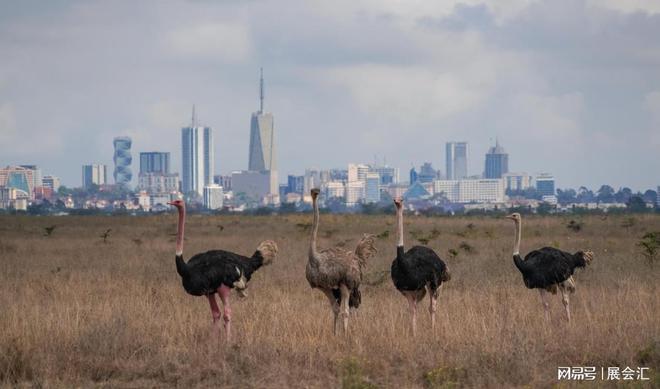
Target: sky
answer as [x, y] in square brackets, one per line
[567, 87]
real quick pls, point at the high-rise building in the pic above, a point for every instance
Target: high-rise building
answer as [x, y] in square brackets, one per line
[295, 184]
[427, 173]
[155, 162]
[20, 178]
[254, 185]
[335, 189]
[158, 183]
[497, 162]
[456, 159]
[517, 181]
[388, 175]
[197, 157]
[94, 174]
[545, 184]
[223, 181]
[262, 137]
[354, 192]
[37, 181]
[413, 175]
[51, 182]
[471, 191]
[122, 159]
[357, 172]
[213, 196]
[372, 188]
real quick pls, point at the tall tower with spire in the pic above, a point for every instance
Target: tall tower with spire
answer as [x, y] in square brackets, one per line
[497, 161]
[262, 137]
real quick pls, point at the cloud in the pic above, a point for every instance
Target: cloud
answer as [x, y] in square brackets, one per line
[226, 42]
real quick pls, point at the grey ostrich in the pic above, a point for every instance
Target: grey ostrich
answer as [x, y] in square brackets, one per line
[337, 272]
[548, 269]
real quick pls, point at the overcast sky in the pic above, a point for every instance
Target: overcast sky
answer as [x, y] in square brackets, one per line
[568, 87]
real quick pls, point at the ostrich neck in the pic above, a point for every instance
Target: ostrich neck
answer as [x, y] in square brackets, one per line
[315, 229]
[179, 233]
[516, 242]
[399, 227]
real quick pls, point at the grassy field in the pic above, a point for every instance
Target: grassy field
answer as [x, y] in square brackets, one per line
[75, 311]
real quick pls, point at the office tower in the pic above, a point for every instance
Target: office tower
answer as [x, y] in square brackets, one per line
[354, 192]
[197, 157]
[426, 173]
[471, 190]
[388, 175]
[213, 196]
[51, 182]
[413, 175]
[154, 162]
[122, 159]
[357, 172]
[545, 184]
[516, 181]
[456, 159]
[497, 162]
[295, 184]
[254, 185]
[223, 181]
[372, 188]
[36, 175]
[20, 178]
[262, 137]
[94, 174]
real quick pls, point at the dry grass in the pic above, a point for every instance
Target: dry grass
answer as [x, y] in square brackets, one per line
[75, 311]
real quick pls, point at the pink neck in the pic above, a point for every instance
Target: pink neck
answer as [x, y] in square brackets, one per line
[179, 234]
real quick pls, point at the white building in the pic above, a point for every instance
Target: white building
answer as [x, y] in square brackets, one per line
[94, 174]
[157, 183]
[517, 181]
[354, 192]
[51, 182]
[213, 196]
[357, 172]
[196, 157]
[335, 189]
[144, 200]
[469, 191]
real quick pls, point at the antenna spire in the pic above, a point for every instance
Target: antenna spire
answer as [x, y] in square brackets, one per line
[194, 118]
[261, 91]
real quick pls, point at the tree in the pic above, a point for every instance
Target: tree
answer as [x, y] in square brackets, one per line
[651, 196]
[544, 208]
[585, 195]
[566, 196]
[623, 195]
[606, 194]
[636, 204]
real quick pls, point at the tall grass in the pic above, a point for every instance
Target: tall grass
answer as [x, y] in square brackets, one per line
[75, 311]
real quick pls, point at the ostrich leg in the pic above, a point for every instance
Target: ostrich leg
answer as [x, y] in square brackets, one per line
[345, 295]
[335, 308]
[412, 303]
[224, 291]
[546, 306]
[215, 311]
[564, 300]
[433, 296]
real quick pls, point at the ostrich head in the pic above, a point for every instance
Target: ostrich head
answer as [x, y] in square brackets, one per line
[268, 250]
[398, 202]
[315, 193]
[179, 204]
[588, 256]
[515, 217]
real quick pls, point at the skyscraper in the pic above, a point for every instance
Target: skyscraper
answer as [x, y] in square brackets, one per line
[262, 137]
[456, 154]
[94, 174]
[122, 160]
[154, 162]
[497, 162]
[545, 184]
[196, 157]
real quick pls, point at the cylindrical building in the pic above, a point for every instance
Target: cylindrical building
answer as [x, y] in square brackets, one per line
[122, 159]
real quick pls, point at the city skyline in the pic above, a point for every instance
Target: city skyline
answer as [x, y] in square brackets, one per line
[393, 81]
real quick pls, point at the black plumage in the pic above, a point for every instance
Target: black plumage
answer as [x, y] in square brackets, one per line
[546, 267]
[205, 272]
[418, 268]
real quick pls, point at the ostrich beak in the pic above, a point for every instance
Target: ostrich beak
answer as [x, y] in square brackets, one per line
[509, 217]
[170, 203]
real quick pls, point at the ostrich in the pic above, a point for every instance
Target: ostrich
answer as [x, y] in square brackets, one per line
[218, 271]
[417, 271]
[337, 272]
[548, 269]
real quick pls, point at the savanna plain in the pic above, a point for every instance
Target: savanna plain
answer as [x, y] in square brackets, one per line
[81, 310]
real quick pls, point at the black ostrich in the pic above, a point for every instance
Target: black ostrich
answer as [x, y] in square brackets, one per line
[548, 269]
[417, 271]
[218, 271]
